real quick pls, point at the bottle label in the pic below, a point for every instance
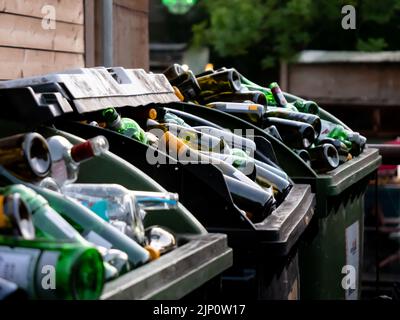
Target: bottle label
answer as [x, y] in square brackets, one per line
[59, 171]
[98, 240]
[18, 265]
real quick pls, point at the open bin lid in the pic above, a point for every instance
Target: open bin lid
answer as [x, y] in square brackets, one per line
[83, 90]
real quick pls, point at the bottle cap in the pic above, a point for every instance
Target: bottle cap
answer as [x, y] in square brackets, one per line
[110, 114]
[178, 93]
[153, 112]
[82, 151]
[154, 253]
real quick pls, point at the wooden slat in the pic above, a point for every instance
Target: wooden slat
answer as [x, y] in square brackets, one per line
[135, 5]
[66, 10]
[26, 32]
[18, 63]
[131, 38]
[90, 44]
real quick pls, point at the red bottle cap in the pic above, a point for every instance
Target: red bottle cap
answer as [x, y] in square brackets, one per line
[82, 151]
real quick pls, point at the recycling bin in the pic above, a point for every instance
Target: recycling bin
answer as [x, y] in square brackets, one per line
[199, 256]
[331, 254]
[268, 250]
[265, 253]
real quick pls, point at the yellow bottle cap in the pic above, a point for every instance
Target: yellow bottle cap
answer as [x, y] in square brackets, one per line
[209, 67]
[154, 253]
[153, 114]
[179, 94]
[4, 221]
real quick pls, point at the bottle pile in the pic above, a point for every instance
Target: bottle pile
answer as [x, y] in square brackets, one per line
[322, 144]
[256, 187]
[63, 240]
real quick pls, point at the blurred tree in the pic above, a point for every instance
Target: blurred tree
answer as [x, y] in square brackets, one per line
[269, 30]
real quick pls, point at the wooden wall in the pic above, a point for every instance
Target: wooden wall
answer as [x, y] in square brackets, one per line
[28, 49]
[131, 35]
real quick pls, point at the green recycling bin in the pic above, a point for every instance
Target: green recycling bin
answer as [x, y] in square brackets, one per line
[199, 256]
[331, 252]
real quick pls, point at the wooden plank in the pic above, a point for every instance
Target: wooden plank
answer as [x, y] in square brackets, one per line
[135, 5]
[66, 10]
[90, 33]
[361, 83]
[18, 63]
[27, 32]
[131, 38]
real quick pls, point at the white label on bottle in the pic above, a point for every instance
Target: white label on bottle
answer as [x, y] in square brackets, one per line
[239, 107]
[59, 171]
[17, 265]
[96, 239]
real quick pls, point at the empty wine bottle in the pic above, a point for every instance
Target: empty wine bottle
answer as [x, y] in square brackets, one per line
[353, 140]
[222, 81]
[52, 270]
[9, 291]
[125, 126]
[180, 151]
[66, 157]
[341, 148]
[257, 203]
[26, 155]
[295, 134]
[311, 119]
[193, 138]
[307, 107]
[278, 95]
[184, 80]
[324, 158]
[47, 221]
[248, 111]
[231, 139]
[304, 155]
[253, 96]
[92, 227]
[15, 217]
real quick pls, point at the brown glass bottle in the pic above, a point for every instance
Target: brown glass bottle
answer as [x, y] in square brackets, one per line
[26, 155]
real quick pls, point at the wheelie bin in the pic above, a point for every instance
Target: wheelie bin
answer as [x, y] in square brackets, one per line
[265, 253]
[332, 250]
[199, 257]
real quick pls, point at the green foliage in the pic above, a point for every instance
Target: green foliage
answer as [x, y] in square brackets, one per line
[280, 29]
[372, 44]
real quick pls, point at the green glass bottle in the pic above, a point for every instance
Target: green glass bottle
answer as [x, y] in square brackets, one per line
[324, 157]
[125, 126]
[247, 110]
[93, 228]
[52, 270]
[311, 119]
[221, 81]
[353, 140]
[307, 107]
[47, 221]
[295, 134]
[253, 96]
